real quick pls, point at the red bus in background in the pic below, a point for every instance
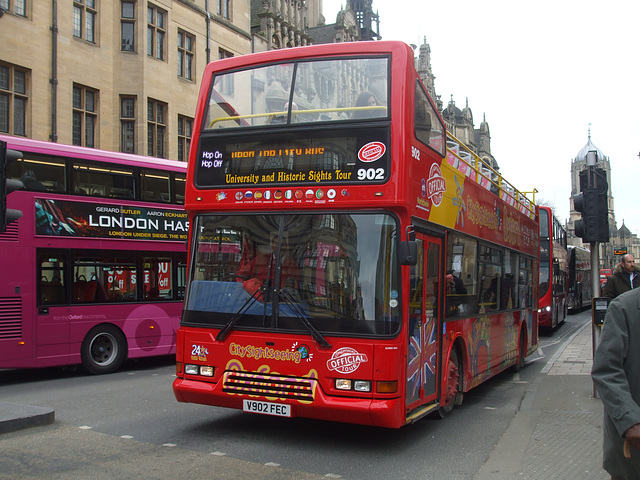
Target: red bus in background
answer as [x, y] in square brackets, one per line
[554, 269]
[94, 271]
[349, 261]
[580, 290]
[605, 273]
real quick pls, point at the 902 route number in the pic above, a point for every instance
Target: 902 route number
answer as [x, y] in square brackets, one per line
[371, 174]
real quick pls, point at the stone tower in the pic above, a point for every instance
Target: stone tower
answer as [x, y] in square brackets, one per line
[578, 164]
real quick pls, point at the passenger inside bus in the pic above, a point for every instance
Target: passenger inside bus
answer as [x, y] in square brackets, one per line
[258, 268]
[31, 183]
[456, 295]
[366, 99]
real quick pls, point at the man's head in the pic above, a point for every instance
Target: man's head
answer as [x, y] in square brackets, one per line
[628, 263]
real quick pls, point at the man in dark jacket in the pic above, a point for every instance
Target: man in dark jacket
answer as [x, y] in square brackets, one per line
[616, 376]
[625, 277]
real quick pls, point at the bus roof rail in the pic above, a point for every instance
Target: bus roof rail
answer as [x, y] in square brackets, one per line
[284, 113]
[467, 161]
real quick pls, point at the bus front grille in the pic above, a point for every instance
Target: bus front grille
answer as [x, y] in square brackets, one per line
[271, 386]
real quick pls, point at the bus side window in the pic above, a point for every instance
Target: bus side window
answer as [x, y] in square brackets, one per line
[155, 186]
[462, 292]
[52, 285]
[39, 173]
[489, 278]
[158, 278]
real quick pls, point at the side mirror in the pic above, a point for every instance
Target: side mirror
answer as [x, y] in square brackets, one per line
[408, 251]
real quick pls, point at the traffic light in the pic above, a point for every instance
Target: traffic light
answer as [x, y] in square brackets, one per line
[7, 215]
[592, 203]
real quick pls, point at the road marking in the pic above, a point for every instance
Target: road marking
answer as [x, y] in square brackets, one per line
[169, 445]
[218, 454]
[271, 464]
[85, 427]
[127, 437]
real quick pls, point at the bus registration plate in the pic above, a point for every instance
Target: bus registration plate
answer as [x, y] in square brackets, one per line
[266, 408]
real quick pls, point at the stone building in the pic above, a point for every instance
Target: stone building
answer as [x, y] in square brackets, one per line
[619, 239]
[125, 75]
[458, 122]
[355, 22]
[291, 23]
[279, 24]
[121, 76]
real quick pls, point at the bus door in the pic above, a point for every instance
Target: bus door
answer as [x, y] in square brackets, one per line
[424, 308]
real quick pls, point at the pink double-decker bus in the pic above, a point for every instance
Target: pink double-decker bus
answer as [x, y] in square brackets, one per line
[94, 271]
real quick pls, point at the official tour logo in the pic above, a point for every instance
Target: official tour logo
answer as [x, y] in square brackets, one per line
[346, 360]
[436, 185]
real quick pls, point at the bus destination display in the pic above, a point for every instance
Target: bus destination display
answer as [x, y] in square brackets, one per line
[361, 158]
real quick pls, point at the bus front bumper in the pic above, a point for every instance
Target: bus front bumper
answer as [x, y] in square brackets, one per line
[380, 412]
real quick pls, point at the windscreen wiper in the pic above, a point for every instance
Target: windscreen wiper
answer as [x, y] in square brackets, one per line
[222, 334]
[263, 292]
[317, 336]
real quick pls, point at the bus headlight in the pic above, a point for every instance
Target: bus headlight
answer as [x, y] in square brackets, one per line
[204, 370]
[362, 386]
[357, 385]
[343, 384]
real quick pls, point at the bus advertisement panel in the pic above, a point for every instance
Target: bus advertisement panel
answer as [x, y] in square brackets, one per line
[339, 270]
[97, 261]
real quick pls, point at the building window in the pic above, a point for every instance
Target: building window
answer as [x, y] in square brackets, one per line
[156, 128]
[127, 124]
[156, 32]
[127, 26]
[18, 7]
[185, 127]
[224, 8]
[227, 87]
[13, 100]
[85, 9]
[186, 44]
[85, 118]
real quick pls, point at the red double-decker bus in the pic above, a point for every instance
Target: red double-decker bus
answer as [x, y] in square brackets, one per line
[553, 287]
[344, 263]
[94, 271]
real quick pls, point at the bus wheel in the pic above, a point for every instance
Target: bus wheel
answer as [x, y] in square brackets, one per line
[521, 348]
[103, 349]
[454, 392]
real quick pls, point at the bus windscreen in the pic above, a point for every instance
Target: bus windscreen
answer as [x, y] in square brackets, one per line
[299, 92]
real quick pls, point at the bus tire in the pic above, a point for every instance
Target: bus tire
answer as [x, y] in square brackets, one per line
[521, 348]
[453, 385]
[103, 350]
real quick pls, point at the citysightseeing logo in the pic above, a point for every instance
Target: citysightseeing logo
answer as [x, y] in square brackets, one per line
[346, 360]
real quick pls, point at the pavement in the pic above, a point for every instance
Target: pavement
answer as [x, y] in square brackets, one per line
[15, 416]
[556, 433]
